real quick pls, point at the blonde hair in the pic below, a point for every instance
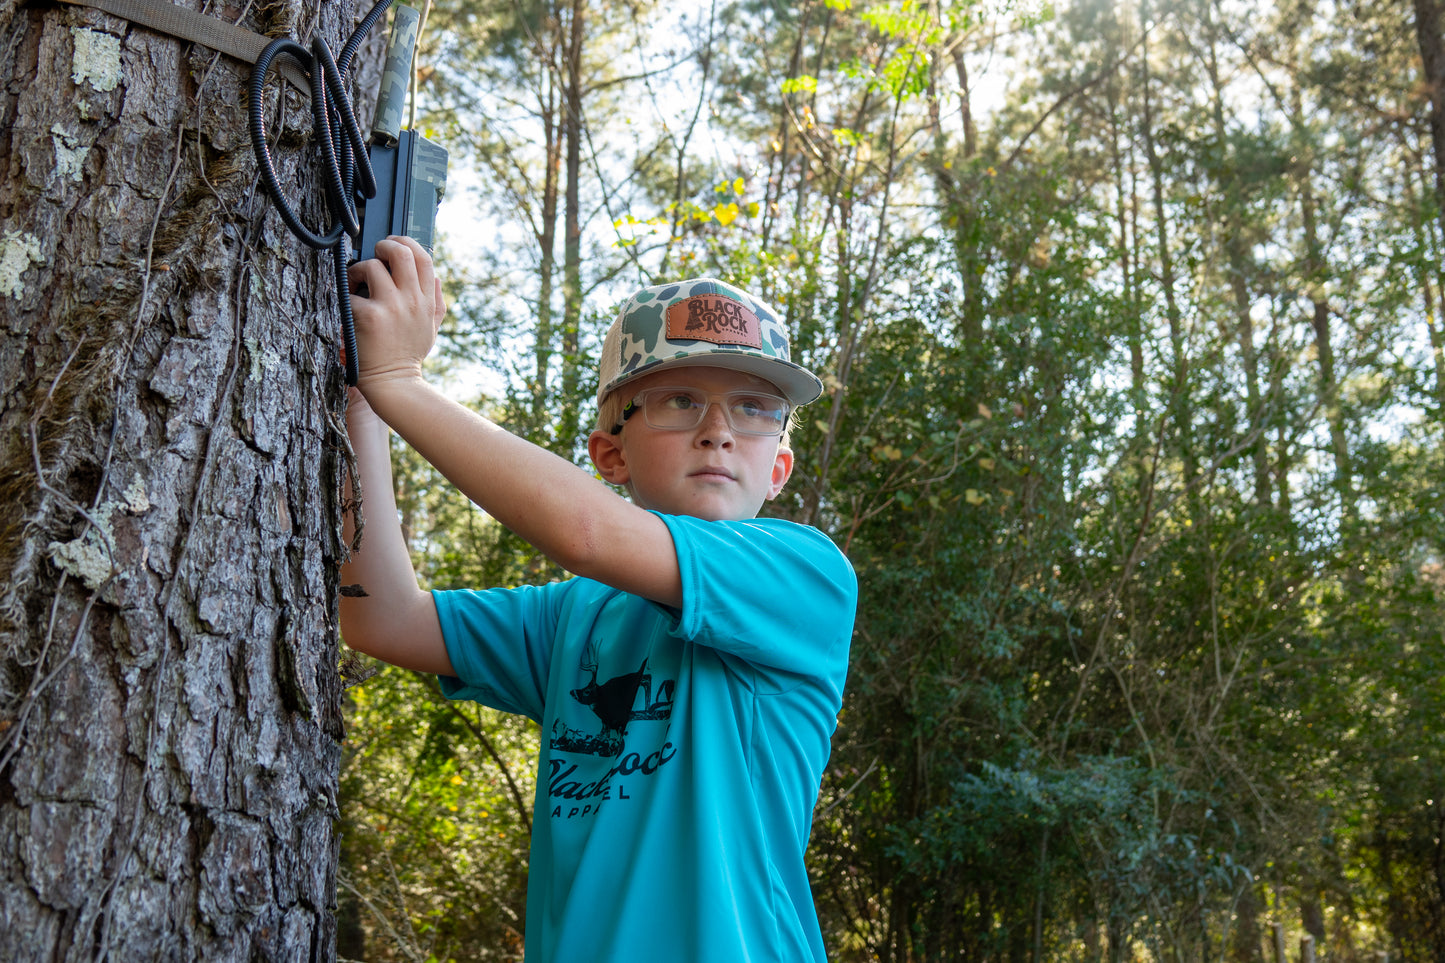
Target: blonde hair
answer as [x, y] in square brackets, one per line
[609, 410]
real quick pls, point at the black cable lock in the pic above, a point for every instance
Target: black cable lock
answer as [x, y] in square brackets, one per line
[342, 148]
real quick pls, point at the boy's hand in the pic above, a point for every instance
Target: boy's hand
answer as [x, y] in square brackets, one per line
[398, 319]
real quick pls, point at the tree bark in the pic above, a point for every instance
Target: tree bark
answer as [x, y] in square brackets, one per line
[1432, 61]
[569, 423]
[546, 231]
[1180, 372]
[169, 513]
[1245, 940]
[1317, 273]
[1240, 270]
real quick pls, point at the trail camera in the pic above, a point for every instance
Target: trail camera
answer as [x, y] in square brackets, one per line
[411, 171]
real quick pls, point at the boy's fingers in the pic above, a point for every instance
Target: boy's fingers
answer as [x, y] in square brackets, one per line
[361, 273]
[399, 259]
[401, 294]
[407, 260]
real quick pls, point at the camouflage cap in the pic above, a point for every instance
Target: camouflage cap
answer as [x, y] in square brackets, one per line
[701, 322]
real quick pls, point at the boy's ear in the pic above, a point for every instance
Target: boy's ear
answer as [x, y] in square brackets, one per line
[605, 450]
[782, 471]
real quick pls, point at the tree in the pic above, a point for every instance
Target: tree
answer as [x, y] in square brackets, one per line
[169, 536]
[527, 93]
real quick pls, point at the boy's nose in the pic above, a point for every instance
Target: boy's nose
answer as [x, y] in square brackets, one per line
[715, 429]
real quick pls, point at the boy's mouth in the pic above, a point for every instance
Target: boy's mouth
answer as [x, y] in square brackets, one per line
[714, 472]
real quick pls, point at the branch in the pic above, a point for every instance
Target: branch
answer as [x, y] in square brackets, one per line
[434, 690]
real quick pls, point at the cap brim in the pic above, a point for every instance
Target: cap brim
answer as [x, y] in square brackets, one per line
[799, 385]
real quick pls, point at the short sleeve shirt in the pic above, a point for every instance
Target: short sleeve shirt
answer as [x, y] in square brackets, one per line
[681, 749]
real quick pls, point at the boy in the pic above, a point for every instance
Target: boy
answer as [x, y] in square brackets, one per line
[687, 680]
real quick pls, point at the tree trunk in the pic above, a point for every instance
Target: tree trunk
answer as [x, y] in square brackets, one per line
[1240, 270]
[1179, 405]
[1245, 941]
[1317, 273]
[1432, 61]
[546, 234]
[569, 423]
[169, 518]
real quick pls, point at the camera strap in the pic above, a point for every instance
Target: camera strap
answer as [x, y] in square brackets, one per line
[212, 32]
[421, 171]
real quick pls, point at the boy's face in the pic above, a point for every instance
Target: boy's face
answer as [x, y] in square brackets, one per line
[711, 471]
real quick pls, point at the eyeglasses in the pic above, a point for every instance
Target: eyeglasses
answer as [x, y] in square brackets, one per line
[678, 409]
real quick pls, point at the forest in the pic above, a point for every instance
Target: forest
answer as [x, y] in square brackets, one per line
[1132, 321]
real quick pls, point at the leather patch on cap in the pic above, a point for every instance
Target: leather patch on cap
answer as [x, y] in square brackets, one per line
[710, 317]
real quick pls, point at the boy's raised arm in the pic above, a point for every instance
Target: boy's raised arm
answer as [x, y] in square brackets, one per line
[395, 620]
[564, 512]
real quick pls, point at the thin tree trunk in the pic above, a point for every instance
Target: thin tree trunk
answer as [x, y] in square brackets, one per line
[1432, 57]
[546, 234]
[1245, 940]
[951, 172]
[568, 424]
[1240, 272]
[1429, 241]
[965, 108]
[1179, 407]
[1316, 272]
[169, 514]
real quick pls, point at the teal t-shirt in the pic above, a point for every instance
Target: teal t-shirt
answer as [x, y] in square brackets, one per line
[681, 750]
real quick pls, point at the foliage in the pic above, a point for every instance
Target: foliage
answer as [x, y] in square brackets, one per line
[437, 796]
[1132, 433]
[434, 831]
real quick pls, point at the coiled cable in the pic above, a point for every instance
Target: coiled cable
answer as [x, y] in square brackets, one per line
[343, 152]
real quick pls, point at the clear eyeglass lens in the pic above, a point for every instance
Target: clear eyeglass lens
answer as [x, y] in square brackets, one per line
[748, 412]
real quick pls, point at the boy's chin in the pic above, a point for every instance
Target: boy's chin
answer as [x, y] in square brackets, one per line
[707, 510]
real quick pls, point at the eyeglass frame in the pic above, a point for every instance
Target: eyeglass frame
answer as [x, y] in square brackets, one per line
[633, 407]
